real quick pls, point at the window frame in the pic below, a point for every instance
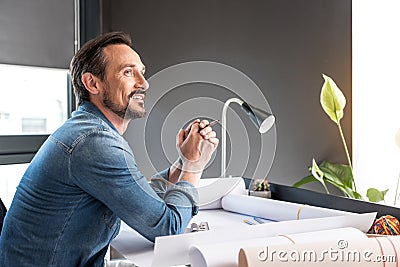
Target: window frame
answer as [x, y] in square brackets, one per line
[16, 149]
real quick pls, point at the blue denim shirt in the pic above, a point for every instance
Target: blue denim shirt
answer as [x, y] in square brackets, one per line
[83, 180]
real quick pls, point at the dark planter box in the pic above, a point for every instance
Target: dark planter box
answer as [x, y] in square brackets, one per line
[304, 196]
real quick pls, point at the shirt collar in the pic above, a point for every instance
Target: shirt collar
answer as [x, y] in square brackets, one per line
[91, 108]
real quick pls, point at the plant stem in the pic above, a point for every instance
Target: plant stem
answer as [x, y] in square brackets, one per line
[326, 189]
[347, 155]
[396, 195]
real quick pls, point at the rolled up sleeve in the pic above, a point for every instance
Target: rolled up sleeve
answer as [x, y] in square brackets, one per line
[108, 172]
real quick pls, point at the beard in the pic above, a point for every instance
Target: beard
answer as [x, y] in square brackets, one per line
[124, 112]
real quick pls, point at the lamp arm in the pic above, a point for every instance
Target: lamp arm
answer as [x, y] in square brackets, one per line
[223, 132]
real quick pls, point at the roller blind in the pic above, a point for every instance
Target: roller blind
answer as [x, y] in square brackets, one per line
[37, 32]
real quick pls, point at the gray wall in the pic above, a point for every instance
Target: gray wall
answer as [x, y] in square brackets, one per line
[38, 33]
[283, 46]
[33, 33]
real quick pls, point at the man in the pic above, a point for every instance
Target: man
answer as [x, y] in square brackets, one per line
[84, 179]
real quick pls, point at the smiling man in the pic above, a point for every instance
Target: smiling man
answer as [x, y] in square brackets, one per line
[84, 179]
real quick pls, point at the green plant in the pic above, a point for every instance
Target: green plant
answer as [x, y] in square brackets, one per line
[260, 185]
[341, 176]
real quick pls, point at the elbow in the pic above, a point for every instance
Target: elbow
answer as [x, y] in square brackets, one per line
[173, 221]
[177, 221]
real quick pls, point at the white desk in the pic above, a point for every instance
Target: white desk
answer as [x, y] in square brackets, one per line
[227, 225]
[139, 250]
[136, 248]
[224, 227]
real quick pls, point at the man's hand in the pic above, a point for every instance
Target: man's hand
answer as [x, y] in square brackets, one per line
[195, 145]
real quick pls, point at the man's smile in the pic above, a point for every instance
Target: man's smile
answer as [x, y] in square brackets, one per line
[140, 97]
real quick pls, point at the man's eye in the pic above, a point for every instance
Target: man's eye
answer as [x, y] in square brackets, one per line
[129, 72]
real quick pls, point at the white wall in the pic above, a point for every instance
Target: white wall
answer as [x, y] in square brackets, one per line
[376, 94]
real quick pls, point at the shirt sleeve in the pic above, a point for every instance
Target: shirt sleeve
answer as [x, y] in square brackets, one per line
[159, 182]
[108, 171]
[162, 174]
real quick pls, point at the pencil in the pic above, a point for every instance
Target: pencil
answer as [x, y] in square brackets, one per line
[210, 124]
[213, 123]
[258, 220]
[248, 222]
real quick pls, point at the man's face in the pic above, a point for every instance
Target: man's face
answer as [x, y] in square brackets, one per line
[124, 84]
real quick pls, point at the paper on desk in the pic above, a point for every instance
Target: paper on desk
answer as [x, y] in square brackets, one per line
[275, 210]
[212, 190]
[130, 242]
[174, 250]
[225, 254]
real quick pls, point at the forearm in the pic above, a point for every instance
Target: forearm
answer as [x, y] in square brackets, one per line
[190, 172]
[166, 216]
[175, 171]
[191, 177]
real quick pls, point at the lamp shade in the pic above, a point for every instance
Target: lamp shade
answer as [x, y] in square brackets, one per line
[261, 119]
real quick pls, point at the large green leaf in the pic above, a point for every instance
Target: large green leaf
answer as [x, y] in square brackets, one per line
[357, 195]
[335, 181]
[351, 193]
[348, 192]
[340, 173]
[341, 176]
[375, 195]
[305, 180]
[332, 99]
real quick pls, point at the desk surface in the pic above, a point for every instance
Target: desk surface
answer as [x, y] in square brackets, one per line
[225, 227]
[139, 250]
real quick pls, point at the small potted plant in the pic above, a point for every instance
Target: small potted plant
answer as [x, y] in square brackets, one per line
[260, 188]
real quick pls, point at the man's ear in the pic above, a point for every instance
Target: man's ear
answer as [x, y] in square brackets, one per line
[91, 83]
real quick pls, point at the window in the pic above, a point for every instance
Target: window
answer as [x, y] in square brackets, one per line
[33, 100]
[376, 111]
[33, 104]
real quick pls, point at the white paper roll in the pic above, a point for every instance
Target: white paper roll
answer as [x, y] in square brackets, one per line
[212, 190]
[275, 210]
[379, 251]
[225, 254]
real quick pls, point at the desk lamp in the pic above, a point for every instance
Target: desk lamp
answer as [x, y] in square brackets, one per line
[260, 118]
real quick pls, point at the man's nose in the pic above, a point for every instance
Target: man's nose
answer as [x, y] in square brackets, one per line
[141, 82]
